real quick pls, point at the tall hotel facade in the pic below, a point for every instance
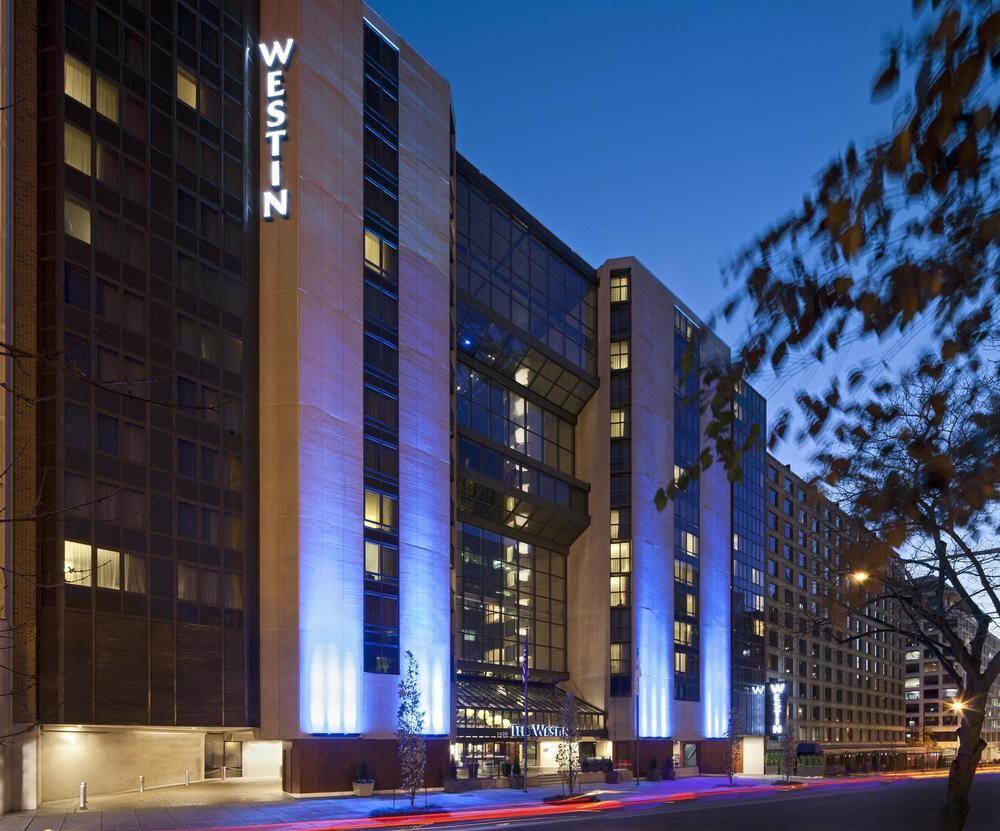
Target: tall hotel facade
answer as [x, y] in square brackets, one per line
[299, 394]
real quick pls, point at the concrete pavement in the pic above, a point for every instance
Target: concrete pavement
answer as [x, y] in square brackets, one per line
[239, 802]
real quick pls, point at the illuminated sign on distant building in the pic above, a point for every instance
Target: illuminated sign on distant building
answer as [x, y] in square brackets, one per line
[276, 59]
[777, 700]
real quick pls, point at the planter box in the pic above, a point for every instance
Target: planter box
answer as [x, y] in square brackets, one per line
[516, 781]
[611, 777]
[654, 776]
[363, 788]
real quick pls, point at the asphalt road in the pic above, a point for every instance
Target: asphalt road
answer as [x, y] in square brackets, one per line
[906, 805]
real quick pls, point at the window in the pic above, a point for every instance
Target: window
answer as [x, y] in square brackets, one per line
[234, 591]
[680, 662]
[135, 574]
[380, 511]
[208, 587]
[380, 256]
[619, 288]
[108, 569]
[107, 166]
[76, 563]
[187, 88]
[619, 428]
[77, 149]
[619, 354]
[107, 99]
[76, 220]
[77, 80]
[107, 434]
[187, 520]
[187, 583]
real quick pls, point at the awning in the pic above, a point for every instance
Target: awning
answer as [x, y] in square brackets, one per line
[495, 695]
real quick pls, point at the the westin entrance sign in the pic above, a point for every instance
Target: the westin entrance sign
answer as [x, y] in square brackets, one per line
[538, 731]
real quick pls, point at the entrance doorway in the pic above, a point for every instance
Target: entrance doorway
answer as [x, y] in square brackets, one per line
[223, 759]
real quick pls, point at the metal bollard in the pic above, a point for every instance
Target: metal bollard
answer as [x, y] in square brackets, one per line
[142, 784]
[187, 777]
[223, 773]
[83, 796]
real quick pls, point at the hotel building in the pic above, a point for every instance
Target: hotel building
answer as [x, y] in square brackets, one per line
[301, 393]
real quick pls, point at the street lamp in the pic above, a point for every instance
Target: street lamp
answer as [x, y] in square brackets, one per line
[860, 576]
[957, 706]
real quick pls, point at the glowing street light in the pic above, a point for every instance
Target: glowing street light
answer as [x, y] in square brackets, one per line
[957, 706]
[860, 576]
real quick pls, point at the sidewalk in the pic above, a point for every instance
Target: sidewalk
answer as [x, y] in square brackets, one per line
[262, 803]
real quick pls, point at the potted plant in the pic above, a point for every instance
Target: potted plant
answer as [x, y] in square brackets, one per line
[654, 772]
[515, 780]
[452, 769]
[472, 766]
[668, 769]
[610, 774]
[364, 784]
[505, 769]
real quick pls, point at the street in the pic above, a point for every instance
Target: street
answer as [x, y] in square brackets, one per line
[903, 805]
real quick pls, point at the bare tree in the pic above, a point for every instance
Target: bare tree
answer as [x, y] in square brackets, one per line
[411, 748]
[568, 753]
[919, 468]
[789, 746]
[733, 745]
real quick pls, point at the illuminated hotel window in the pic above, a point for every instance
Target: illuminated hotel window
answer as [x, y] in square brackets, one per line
[683, 633]
[107, 99]
[77, 149]
[684, 572]
[77, 563]
[688, 543]
[619, 591]
[619, 354]
[619, 659]
[187, 88]
[380, 256]
[380, 510]
[621, 556]
[381, 561]
[108, 569]
[76, 220]
[77, 80]
[680, 662]
[619, 427]
[619, 288]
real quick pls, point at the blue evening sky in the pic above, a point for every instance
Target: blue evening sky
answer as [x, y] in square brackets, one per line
[671, 130]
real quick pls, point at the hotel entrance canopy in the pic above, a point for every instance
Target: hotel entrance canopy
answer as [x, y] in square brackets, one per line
[489, 708]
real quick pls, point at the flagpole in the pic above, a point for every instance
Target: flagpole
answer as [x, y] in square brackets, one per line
[524, 678]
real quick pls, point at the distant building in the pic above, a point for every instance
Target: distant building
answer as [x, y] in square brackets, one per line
[844, 687]
[931, 693]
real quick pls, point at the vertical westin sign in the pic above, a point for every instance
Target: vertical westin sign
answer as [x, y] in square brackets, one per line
[276, 59]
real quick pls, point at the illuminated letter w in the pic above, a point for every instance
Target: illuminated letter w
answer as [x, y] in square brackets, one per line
[279, 52]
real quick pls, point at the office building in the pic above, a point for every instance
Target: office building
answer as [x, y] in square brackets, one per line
[842, 685]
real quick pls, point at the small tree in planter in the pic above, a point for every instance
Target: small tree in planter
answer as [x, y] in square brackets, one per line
[364, 784]
[788, 748]
[567, 756]
[411, 750]
[733, 746]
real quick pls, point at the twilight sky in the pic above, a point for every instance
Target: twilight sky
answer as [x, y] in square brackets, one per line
[671, 130]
